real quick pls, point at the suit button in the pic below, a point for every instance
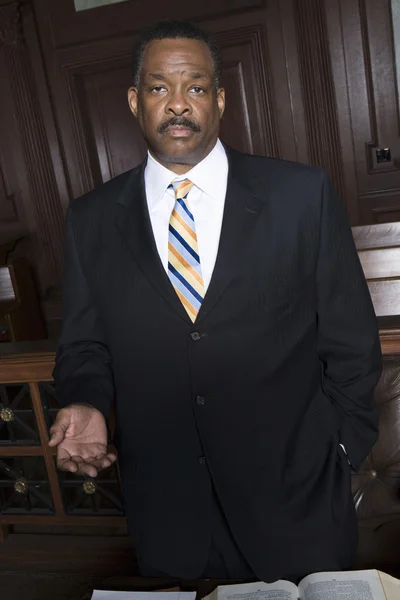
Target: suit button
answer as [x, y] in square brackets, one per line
[202, 460]
[195, 336]
[200, 400]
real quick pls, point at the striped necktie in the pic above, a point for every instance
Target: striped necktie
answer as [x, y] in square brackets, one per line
[184, 268]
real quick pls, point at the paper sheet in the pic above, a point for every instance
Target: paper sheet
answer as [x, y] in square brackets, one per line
[104, 595]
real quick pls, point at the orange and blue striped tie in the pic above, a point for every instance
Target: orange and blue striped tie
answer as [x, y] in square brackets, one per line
[184, 268]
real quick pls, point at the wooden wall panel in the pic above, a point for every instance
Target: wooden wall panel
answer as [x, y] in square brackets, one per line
[11, 212]
[109, 137]
[71, 28]
[25, 150]
[318, 91]
[100, 138]
[363, 62]
[248, 124]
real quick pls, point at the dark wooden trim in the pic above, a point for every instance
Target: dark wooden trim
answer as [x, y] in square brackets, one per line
[33, 44]
[42, 180]
[390, 341]
[20, 451]
[101, 521]
[47, 452]
[254, 35]
[71, 28]
[4, 531]
[27, 367]
[318, 90]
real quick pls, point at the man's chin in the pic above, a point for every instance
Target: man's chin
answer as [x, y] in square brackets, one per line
[178, 148]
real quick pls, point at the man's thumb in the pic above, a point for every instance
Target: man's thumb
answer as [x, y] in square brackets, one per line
[59, 427]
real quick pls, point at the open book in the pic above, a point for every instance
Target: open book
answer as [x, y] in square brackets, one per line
[348, 585]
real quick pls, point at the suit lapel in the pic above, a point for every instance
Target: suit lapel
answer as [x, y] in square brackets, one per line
[134, 225]
[242, 209]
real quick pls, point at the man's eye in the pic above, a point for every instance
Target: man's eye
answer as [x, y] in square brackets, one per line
[196, 89]
[158, 88]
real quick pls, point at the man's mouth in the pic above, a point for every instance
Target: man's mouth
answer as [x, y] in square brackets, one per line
[179, 131]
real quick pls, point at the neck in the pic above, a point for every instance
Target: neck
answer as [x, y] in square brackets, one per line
[181, 165]
[177, 168]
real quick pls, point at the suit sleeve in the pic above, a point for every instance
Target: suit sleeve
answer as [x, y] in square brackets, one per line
[348, 337]
[83, 372]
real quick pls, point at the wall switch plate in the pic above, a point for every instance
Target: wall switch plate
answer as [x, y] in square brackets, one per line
[383, 155]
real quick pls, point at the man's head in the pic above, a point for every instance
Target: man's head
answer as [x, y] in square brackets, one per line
[176, 95]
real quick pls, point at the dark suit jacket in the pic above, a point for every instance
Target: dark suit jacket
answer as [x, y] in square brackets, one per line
[256, 396]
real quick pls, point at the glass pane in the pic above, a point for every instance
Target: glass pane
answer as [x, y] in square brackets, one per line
[87, 496]
[17, 418]
[24, 486]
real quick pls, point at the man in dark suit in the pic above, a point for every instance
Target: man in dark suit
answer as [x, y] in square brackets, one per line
[217, 299]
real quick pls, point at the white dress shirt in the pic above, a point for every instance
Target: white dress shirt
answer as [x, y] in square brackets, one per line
[206, 201]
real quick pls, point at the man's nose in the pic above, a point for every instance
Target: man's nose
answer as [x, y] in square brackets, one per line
[178, 104]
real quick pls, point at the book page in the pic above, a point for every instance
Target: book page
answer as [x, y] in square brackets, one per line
[106, 595]
[348, 585]
[390, 585]
[280, 590]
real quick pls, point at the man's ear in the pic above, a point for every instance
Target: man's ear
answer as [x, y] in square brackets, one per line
[133, 100]
[221, 101]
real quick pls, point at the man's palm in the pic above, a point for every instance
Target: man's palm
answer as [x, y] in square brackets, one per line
[80, 434]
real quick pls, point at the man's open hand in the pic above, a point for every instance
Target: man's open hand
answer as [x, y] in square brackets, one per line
[80, 434]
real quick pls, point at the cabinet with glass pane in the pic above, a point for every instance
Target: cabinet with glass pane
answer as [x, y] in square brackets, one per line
[32, 489]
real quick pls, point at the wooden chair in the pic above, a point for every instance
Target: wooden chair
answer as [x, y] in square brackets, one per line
[21, 317]
[379, 251]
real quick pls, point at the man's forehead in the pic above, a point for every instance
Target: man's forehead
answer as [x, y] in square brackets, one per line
[190, 55]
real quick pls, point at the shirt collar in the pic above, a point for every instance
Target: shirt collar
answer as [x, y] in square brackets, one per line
[210, 175]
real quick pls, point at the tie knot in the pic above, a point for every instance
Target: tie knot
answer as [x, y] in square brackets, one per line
[182, 188]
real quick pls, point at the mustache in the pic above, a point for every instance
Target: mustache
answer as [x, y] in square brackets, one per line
[182, 121]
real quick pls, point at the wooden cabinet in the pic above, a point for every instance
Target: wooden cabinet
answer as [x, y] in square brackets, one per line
[32, 489]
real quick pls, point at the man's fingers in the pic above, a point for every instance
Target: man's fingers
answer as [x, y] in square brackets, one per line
[76, 458]
[77, 465]
[67, 465]
[82, 465]
[100, 463]
[109, 458]
[64, 461]
[60, 426]
[86, 469]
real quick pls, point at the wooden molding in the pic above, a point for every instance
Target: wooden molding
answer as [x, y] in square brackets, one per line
[33, 367]
[4, 531]
[42, 180]
[47, 452]
[10, 24]
[362, 54]
[318, 90]
[253, 36]
[69, 520]
[71, 28]
[376, 26]
[8, 210]
[390, 341]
